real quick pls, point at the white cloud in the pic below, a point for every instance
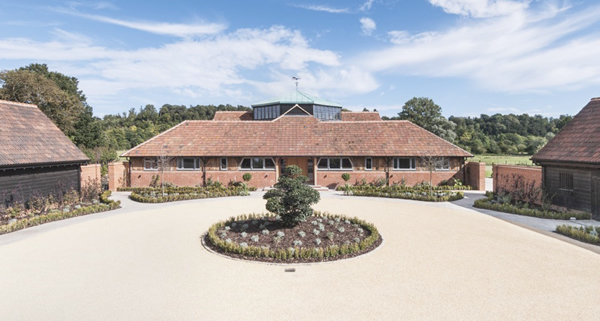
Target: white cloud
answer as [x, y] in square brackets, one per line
[367, 5]
[218, 66]
[533, 51]
[323, 8]
[160, 28]
[367, 25]
[481, 8]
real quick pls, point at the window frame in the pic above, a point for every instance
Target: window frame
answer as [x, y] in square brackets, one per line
[369, 168]
[180, 162]
[412, 166]
[264, 161]
[153, 162]
[445, 165]
[335, 169]
[221, 164]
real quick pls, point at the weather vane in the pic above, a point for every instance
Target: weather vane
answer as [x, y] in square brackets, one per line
[296, 79]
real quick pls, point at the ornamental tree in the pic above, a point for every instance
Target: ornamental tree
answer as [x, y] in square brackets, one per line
[290, 198]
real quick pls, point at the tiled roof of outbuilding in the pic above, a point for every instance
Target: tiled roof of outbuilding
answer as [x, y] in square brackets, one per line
[233, 115]
[578, 141]
[296, 136]
[28, 137]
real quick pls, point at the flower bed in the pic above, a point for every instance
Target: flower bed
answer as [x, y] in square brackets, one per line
[172, 194]
[57, 214]
[170, 190]
[490, 203]
[418, 194]
[404, 188]
[322, 237]
[588, 234]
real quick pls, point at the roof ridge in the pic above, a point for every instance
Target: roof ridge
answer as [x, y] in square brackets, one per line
[595, 99]
[16, 103]
[232, 111]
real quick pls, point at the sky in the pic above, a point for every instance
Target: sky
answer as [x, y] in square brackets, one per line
[471, 57]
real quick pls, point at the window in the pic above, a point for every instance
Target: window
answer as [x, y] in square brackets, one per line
[267, 112]
[443, 164]
[188, 164]
[405, 164]
[327, 112]
[368, 164]
[223, 164]
[150, 164]
[565, 181]
[334, 163]
[257, 163]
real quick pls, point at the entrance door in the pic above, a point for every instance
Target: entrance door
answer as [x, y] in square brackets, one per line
[303, 163]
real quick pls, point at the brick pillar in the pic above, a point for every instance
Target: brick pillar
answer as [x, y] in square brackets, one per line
[476, 177]
[315, 171]
[117, 175]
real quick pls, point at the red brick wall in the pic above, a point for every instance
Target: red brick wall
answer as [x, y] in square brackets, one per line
[475, 175]
[117, 175]
[332, 179]
[505, 175]
[90, 172]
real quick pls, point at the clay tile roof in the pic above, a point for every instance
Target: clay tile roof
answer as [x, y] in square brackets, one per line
[233, 115]
[296, 136]
[360, 116]
[578, 141]
[28, 137]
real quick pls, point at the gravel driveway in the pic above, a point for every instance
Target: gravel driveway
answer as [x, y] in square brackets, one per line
[146, 262]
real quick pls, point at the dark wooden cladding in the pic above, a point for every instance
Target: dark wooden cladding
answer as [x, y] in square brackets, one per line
[583, 196]
[42, 180]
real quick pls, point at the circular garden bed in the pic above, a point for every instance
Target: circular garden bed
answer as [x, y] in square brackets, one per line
[263, 237]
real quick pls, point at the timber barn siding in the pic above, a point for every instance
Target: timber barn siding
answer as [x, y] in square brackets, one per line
[35, 156]
[571, 162]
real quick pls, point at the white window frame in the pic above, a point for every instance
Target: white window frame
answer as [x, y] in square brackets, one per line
[180, 164]
[369, 159]
[257, 169]
[413, 164]
[153, 164]
[335, 169]
[445, 165]
[221, 163]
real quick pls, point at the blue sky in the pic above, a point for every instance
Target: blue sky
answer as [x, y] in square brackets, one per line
[469, 56]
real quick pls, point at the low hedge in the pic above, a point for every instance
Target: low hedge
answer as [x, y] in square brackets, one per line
[283, 255]
[588, 234]
[171, 190]
[183, 194]
[105, 205]
[403, 188]
[489, 204]
[417, 195]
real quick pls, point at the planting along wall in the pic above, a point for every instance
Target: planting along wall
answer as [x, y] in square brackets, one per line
[90, 173]
[332, 179]
[507, 178]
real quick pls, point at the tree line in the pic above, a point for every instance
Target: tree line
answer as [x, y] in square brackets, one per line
[60, 98]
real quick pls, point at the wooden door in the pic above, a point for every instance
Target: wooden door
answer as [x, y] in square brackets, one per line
[301, 162]
[596, 196]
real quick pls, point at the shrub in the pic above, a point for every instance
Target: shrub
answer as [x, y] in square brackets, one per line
[588, 234]
[290, 198]
[490, 204]
[247, 177]
[346, 177]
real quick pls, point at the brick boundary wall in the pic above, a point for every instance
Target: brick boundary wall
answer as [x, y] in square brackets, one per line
[503, 176]
[90, 172]
[475, 175]
[118, 172]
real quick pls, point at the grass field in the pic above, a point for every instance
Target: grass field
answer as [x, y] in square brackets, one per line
[119, 152]
[501, 159]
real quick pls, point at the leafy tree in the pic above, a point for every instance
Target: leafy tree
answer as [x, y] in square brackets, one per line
[424, 112]
[291, 199]
[29, 87]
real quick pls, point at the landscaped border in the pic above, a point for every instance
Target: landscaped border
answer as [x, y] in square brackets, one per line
[587, 234]
[173, 194]
[295, 254]
[403, 192]
[486, 203]
[105, 205]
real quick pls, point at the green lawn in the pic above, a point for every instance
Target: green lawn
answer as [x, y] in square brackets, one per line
[500, 159]
[122, 159]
